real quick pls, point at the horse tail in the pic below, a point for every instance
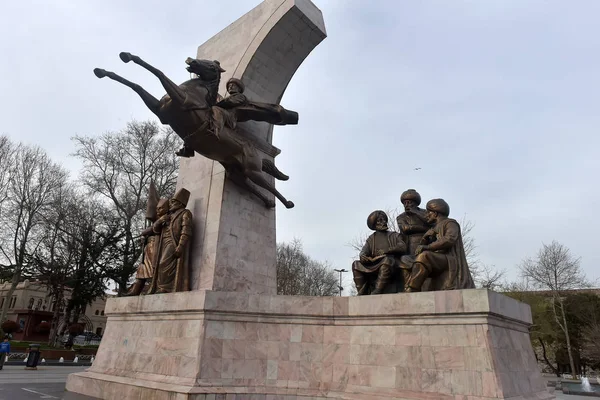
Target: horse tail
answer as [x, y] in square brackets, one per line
[269, 167]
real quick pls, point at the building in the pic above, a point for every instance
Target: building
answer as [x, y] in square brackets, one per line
[31, 304]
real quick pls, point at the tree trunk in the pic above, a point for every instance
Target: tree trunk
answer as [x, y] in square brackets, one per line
[14, 282]
[555, 370]
[55, 317]
[568, 339]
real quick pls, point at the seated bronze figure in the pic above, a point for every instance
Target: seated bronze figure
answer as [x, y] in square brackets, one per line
[441, 254]
[379, 257]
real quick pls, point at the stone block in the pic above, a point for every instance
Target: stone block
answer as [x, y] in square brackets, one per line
[479, 354]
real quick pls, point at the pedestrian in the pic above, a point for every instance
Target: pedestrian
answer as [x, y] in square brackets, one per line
[4, 351]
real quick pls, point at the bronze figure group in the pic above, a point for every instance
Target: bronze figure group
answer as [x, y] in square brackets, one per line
[207, 123]
[165, 258]
[427, 253]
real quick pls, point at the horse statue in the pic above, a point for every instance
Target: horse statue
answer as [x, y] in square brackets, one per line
[192, 110]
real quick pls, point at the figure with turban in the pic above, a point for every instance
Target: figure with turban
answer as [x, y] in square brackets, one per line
[412, 222]
[441, 254]
[171, 272]
[379, 256]
[145, 270]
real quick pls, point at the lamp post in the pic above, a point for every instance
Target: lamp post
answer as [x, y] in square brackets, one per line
[340, 271]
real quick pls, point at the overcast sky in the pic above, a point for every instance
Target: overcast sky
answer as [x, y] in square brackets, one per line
[496, 102]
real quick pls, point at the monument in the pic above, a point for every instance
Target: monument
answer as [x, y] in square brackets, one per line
[230, 336]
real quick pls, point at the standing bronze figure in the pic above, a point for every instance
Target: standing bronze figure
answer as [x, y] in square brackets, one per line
[441, 254]
[171, 272]
[412, 222]
[192, 111]
[379, 256]
[145, 270]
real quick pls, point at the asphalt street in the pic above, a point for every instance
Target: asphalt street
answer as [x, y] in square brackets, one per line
[46, 382]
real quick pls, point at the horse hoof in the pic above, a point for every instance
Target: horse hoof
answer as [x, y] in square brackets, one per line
[125, 57]
[289, 204]
[100, 73]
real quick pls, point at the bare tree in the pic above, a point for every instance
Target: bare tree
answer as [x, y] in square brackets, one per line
[119, 167]
[6, 160]
[299, 275]
[488, 277]
[556, 270]
[6, 147]
[33, 181]
[76, 252]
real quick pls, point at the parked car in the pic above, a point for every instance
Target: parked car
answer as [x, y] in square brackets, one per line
[87, 338]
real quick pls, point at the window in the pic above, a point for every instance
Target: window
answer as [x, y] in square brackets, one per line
[1, 302]
[102, 312]
[99, 331]
[13, 301]
[30, 306]
[97, 312]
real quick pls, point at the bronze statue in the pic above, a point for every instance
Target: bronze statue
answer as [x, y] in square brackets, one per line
[146, 268]
[440, 255]
[246, 110]
[412, 222]
[192, 111]
[379, 256]
[171, 267]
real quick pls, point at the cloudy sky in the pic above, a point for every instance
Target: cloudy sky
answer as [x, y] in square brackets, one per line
[496, 101]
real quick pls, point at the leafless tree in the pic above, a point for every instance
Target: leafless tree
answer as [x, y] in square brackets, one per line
[6, 160]
[488, 277]
[299, 275]
[591, 340]
[77, 250]
[33, 181]
[120, 166]
[556, 270]
[6, 147]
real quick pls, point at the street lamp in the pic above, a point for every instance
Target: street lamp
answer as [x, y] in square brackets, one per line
[340, 271]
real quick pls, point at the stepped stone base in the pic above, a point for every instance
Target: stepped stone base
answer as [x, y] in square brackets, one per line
[204, 345]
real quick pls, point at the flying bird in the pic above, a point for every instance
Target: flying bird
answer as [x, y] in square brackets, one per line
[418, 168]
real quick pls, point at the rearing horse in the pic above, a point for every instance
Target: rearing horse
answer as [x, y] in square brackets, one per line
[190, 110]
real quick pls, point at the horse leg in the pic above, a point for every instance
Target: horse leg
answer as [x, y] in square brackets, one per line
[242, 182]
[171, 87]
[258, 178]
[150, 101]
[269, 167]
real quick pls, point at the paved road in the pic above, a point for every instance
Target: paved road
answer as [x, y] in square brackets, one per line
[45, 383]
[48, 383]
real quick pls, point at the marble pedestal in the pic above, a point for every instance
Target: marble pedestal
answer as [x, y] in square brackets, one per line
[459, 345]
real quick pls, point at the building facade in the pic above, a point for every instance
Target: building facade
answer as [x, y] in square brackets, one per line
[31, 304]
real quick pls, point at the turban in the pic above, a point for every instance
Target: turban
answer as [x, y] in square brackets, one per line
[411, 194]
[237, 82]
[439, 206]
[372, 219]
